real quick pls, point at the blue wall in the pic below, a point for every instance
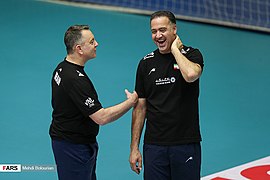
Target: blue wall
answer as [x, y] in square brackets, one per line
[238, 13]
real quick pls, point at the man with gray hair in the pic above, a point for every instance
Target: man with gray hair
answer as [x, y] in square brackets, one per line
[77, 112]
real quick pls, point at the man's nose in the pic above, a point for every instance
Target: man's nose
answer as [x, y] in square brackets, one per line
[159, 34]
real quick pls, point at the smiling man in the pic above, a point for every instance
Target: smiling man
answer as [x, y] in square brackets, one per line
[77, 111]
[167, 83]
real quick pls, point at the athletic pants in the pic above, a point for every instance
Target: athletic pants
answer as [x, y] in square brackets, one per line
[75, 161]
[181, 162]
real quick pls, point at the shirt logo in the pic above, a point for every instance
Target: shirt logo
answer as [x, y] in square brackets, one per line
[80, 74]
[164, 81]
[185, 51]
[57, 78]
[89, 102]
[152, 70]
[175, 66]
[150, 55]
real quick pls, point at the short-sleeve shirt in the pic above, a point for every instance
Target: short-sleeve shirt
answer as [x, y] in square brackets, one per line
[172, 103]
[74, 98]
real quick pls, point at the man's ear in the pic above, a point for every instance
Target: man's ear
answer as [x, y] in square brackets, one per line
[175, 29]
[78, 49]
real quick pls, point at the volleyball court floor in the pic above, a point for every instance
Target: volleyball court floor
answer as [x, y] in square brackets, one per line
[234, 97]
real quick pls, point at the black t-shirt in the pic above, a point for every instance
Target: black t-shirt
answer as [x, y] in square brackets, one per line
[74, 98]
[172, 103]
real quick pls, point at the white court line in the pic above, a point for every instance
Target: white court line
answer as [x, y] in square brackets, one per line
[256, 170]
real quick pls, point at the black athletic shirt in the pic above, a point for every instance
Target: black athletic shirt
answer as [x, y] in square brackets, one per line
[74, 98]
[172, 103]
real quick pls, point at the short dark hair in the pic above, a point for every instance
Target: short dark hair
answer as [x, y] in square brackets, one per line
[167, 14]
[73, 35]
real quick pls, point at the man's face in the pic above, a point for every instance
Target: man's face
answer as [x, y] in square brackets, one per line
[88, 47]
[163, 33]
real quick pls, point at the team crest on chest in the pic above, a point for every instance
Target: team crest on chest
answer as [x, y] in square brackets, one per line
[175, 66]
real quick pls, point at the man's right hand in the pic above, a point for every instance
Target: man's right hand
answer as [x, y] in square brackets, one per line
[135, 161]
[132, 96]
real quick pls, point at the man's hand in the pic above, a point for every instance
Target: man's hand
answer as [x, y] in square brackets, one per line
[135, 161]
[177, 43]
[133, 97]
